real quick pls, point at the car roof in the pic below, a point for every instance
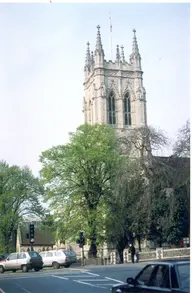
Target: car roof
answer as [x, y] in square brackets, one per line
[49, 251]
[170, 262]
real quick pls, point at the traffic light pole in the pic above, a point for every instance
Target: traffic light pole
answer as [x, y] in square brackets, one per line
[31, 244]
[81, 242]
[83, 255]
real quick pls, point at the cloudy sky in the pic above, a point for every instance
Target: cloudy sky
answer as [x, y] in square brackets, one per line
[42, 55]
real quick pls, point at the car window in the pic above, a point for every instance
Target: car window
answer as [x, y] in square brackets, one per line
[67, 252]
[12, 256]
[71, 252]
[144, 277]
[57, 253]
[42, 254]
[49, 254]
[21, 255]
[160, 277]
[33, 254]
[184, 276]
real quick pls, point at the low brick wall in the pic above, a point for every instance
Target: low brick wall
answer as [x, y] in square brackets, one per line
[93, 261]
[176, 253]
[151, 255]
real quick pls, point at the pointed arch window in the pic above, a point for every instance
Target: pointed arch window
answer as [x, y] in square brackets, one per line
[111, 109]
[127, 109]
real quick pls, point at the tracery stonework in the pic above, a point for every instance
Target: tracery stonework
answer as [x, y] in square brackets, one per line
[108, 85]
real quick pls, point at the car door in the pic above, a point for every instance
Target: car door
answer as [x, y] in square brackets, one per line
[182, 275]
[11, 262]
[45, 259]
[21, 259]
[49, 258]
[158, 280]
[139, 284]
[43, 254]
[58, 257]
[141, 280]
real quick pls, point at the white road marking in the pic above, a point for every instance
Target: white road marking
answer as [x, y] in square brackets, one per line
[31, 276]
[79, 276]
[23, 288]
[118, 281]
[84, 283]
[1, 291]
[78, 270]
[91, 274]
[106, 284]
[59, 277]
[94, 280]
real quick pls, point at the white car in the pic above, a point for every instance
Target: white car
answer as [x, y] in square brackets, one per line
[57, 258]
[22, 261]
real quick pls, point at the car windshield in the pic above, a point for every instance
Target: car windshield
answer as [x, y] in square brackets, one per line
[184, 273]
[67, 252]
[33, 254]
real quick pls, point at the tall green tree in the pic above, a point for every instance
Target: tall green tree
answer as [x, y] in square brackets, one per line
[178, 225]
[20, 195]
[78, 175]
[128, 188]
[143, 142]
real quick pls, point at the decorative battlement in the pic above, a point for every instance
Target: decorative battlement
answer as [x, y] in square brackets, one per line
[117, 65]
[96, 59]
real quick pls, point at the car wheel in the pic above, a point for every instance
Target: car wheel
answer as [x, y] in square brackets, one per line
[56, 265]
[2, 269]
[24, 269]
[14, 271]
[66, 266]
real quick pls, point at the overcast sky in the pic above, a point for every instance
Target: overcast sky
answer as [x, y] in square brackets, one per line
[42, 55]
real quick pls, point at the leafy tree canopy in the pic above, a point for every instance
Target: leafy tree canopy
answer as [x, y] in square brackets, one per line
[20, 192]
[78, 175]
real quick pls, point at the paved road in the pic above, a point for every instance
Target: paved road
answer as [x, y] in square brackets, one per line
[98, 279]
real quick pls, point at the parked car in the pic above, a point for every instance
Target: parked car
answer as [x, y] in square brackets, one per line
[57, 258]
[169, 276]
[22, 261]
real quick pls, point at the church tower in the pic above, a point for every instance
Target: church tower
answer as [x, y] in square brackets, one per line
[113, 90]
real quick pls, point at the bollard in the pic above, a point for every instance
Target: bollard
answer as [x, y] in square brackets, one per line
[125, 257]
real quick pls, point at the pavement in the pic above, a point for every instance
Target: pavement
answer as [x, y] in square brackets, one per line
[94, 279]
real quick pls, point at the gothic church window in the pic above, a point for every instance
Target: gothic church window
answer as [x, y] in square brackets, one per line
[111, 109]
[127, 109]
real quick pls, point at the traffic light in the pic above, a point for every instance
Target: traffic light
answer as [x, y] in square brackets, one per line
[81, 240]
[31, 231]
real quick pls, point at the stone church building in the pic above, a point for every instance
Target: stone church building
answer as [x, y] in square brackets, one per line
[113, 90]
[114, 94]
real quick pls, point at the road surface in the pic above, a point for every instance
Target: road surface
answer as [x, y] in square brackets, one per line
[94, 279]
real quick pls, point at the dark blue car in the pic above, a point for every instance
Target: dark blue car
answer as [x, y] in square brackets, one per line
[162, 276]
